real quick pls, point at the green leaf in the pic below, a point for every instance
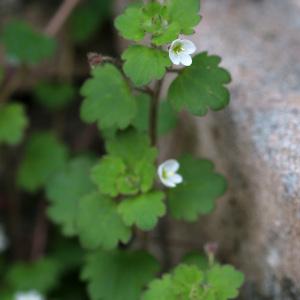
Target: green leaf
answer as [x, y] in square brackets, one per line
[106, 174]
[25, 45]
[225, 281]
[167, 117]
[42, 275]
[137, 154]
[141, 120]
[160, 289]
[183, 283]
[54, 95]
[143, 65]
[118, 275]
[169, 35]
[13, 122]
[130, 23]
[108, 98]
[44, 155]
[99, 224]
[185, 14]
[64, 191]
[186, 281]
[201, 86]
[143, 210]
[200, 188]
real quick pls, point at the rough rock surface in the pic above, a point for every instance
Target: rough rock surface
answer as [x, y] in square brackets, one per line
[255, 142]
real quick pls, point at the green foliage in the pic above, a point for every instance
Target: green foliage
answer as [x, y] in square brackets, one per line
[129, 166]
[13, 122]
[108, 175]
[42, 275]
[23, 44]
[104, 92]
[99, 224]
[201, 86]
[183, 283]
[167, 117]
[143, 64]
[224, 281]
[200, 188]
[185, 14]
[118, 275]
[129, 24]
[87, 19]
[44, 155]
[143, 210]
[54, 95]
[64, 191]
[138, 155]
[190, 283]
[164, 22]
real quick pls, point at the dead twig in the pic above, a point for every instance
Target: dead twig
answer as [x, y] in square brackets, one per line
[60, 17]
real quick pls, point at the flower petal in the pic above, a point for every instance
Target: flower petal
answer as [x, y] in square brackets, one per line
[175, 58]
[186, 59]
[177, 178]
[174, 43]
[171, 165]
[189, 46]
[169, 183]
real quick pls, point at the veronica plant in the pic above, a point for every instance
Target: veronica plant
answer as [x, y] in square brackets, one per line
[111, 203]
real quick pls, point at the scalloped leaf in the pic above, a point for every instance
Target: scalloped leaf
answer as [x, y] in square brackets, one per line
[103, 93]
[201, 86]
[144, 64]
[118, 275]
[199, 190]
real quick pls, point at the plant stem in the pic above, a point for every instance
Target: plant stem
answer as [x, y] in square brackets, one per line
[154, 113]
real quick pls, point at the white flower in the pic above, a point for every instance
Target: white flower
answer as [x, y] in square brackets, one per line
[3, 239]
[180, 52]
[167, 173]
[30, 295]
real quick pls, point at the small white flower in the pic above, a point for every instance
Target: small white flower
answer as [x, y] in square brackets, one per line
[180, 52]
[167, 173]
[3, 239]
[30, 295]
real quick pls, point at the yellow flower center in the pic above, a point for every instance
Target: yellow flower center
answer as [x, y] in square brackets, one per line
[177, 48]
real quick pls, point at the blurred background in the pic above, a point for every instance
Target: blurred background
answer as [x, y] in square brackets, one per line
[254, 142]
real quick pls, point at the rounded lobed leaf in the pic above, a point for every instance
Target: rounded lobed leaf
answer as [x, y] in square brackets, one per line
[143, 64]
[103, 93]
[99, 224]
[64, 191]
[143, 210]
[118, 275]
[25, 45]
[44, 156]
[13, 122]
[201, 86]
[197, 193]
[129, 24]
